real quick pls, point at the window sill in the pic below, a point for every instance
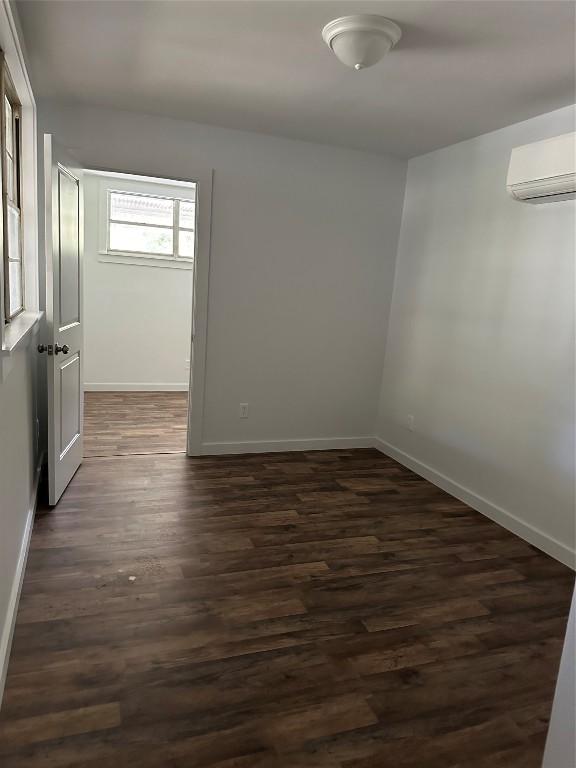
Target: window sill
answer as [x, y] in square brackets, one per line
[19, 332]
[145, 260]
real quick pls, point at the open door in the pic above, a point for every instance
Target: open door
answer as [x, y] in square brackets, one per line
[64, 240]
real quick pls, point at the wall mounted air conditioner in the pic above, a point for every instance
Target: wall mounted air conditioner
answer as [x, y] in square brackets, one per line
[544, 172]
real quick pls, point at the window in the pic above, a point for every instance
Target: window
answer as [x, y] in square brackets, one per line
[147, 225]
[10, 167]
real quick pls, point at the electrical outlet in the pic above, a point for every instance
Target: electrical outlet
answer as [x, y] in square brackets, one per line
[243, 410]
[410, 422]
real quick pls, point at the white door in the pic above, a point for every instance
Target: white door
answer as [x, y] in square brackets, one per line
[64, 242]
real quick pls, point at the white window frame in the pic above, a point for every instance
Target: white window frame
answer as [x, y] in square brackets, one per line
[11, 199]
[177, 194]
[25, 325]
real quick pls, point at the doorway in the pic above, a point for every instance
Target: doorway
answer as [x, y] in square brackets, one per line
[138, 288]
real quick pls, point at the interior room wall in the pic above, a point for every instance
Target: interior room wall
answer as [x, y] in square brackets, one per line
[478, 381]
[20, 450]
[19, 456]
[137, 319]
[302, 257]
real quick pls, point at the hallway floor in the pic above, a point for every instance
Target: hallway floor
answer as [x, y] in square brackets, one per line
[123, 423]
[298, 610]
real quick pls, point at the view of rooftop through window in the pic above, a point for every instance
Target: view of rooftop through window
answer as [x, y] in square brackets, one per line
[150, 225]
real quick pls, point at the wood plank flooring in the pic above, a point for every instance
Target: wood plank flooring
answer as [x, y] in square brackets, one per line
[302, 610]
[120, 423]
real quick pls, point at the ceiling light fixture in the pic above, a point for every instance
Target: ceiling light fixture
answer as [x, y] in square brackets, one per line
[362, 40]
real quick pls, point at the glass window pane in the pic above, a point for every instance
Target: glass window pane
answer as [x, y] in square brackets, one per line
[15, 280]
[187, 214]
[186, 243]
[142, 209]
[9, 132]
[10, 178]
[131, 237]
[13, 233]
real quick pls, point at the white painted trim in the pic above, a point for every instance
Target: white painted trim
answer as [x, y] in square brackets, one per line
[199, 340]
[143, 185]
[15, 60]
[12, 611]
[116, 386]
[203, 179]
[269, 446]
[145, 260]
[19, 331]
[503, 517]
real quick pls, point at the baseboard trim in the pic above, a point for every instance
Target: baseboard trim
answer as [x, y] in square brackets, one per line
[508, 520]
[136, 387]
[274, 446]
[11, 613]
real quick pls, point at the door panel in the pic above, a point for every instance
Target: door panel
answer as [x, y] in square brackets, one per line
[64, 244]
[69, 251]
[70, 395]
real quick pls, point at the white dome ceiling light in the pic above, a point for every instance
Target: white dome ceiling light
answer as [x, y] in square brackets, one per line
[362, 40]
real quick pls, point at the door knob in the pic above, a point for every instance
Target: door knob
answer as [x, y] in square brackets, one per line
[64, 349]
[42, 347]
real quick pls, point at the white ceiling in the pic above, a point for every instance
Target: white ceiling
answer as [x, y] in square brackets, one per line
[462, 68]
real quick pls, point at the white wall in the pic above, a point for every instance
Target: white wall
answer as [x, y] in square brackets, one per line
[303, 246]
[18, 477]
[19, 444]
[561, 742]
[480, 349]
[137, 319]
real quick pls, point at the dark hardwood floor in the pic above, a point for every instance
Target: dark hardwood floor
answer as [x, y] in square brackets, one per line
[304, 610]
[121, 423]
